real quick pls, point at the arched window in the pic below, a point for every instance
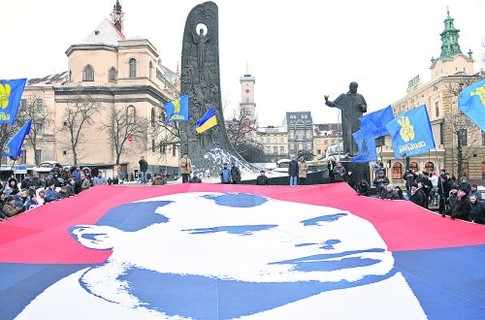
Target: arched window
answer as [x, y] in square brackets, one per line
[132, 64]
[112, 75]
[88, 73]
[131, 114]
[397, 170]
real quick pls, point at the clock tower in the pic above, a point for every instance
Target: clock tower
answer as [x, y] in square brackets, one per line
[247, 105]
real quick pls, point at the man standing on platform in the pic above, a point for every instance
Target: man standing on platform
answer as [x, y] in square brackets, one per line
[185, 165]
[143, 169]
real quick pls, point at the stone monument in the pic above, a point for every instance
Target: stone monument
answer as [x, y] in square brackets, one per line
[201, 80]
[352, 106]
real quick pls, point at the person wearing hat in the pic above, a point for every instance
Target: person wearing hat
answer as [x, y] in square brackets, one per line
[9, 208]
[262, 179]
[474, 191]
[417, 194]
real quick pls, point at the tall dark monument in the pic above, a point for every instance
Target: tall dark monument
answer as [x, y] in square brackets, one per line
[201, 80]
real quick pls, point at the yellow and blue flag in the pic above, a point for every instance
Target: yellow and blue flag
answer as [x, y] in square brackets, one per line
[10, 96]
[178, 109]
[472, 103]
[14, 146]
[366, 144]
[376, 121]
[411, 133]
[208, 120]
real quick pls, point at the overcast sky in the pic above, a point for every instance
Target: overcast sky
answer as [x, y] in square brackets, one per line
[298, 51]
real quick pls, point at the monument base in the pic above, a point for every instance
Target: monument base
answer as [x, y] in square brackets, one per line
[360, 170]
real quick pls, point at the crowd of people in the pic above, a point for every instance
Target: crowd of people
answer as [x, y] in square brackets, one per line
[34, 190]
[457, 199]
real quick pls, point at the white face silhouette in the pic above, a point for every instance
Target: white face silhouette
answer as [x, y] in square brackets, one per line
[236, 237]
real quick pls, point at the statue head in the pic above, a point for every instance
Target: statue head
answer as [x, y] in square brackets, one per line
[353, 86]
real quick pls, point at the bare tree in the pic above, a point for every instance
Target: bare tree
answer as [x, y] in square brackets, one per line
[34, 108]
[122, 126]
[78, 115]
[242, 131]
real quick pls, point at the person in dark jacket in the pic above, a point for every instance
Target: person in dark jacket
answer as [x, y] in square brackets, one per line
[235, 174]
[417, 195]
[262, 179]
[461, 208]
[477, 209]
[363, 188]
[444, 188]
[293, 171]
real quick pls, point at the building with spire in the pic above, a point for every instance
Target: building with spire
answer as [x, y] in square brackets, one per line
[114, 89]
[460, 145]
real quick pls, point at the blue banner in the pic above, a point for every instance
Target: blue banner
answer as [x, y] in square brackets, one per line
[14, 146]
[178, 109]
[376, 121]
[472, 103]
[367, 146]
[10, 96]
[411, 133]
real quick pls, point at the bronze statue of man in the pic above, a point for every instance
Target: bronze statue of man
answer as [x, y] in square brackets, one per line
[352, 106]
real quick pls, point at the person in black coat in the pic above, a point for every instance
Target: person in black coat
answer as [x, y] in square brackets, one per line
[293, 171]
[417, 195]
[363, 188]
[262, 179]
[477, 209]
[444, 188]
[461, 208]
[235, 174]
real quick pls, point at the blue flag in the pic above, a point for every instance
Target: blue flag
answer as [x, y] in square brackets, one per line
[367, 146]
[472, 103]
[376, 121]
[14, 146]
[178, 109]
[10, 96]
[207, 121]
[411, 133]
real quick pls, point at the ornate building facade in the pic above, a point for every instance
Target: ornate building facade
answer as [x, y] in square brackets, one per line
[124, 85]
[453, 132]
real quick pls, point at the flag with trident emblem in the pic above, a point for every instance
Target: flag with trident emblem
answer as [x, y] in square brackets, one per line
[411, 133]
[472, 103]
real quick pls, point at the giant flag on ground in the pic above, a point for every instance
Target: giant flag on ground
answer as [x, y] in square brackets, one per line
[10, 96]
[214, 252]
[366, 144]
[207, 121]
[411, 133]
[376, 121]
[14, 146]
[472, 103]
[178, 109]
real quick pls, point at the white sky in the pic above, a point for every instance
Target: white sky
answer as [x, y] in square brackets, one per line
[296, 50]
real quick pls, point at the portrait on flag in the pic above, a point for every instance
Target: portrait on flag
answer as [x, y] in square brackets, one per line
[225, 252]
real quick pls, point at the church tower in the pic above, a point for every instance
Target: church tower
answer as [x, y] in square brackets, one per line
[247, 105]
[117, 17]
[451, 60]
